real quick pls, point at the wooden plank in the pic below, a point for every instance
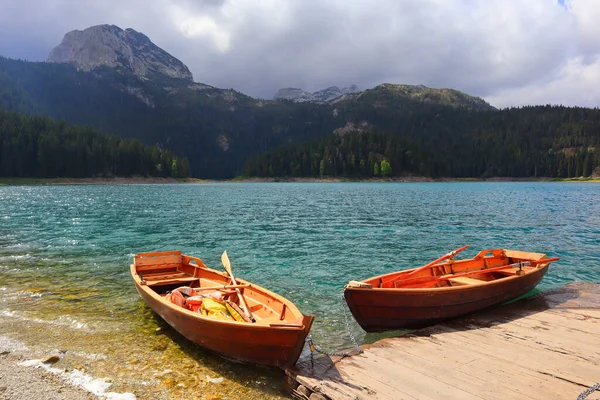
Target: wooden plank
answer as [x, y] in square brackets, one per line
[329, 381]
[557, 333]
[163, 275]
[506, 378]
[578, 343]
[527, 350]
[536, 355]
[155, 267]
[193, 261]
[532, 364]
[400, 379]
[466, 280]
[444, 369]
[584, 314]
[171, 281]
[157, 258]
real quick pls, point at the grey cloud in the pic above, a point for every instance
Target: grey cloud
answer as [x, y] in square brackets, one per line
[491, 48]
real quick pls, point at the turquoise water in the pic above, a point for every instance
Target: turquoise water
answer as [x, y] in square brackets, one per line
[65, 253]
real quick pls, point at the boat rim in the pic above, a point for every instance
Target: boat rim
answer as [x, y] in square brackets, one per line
[443, 288]
[200, 317]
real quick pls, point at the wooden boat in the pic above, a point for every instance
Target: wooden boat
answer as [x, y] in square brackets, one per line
[443, 289]
[275, 338]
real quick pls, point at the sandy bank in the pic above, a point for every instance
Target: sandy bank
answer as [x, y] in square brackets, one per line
[21, 382]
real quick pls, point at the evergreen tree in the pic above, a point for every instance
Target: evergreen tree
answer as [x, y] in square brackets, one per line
[386, 168]
[42, 147]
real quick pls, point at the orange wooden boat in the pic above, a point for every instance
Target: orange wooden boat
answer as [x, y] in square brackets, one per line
[443, 289]
[274, 338]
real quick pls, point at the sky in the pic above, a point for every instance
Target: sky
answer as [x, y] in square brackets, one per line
[509, 52]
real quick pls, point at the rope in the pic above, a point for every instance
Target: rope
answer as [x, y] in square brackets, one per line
[316, 348]
[583, 395]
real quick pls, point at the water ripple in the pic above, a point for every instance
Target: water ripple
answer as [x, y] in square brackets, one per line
[302, 240]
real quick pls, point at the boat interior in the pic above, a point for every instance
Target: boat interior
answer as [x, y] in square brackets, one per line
[486, 266]
[166, 272]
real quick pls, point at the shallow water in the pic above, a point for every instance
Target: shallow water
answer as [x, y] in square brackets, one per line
[65, 252]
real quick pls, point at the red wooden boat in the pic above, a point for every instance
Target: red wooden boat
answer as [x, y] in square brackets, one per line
[273, 336]
[443, 289]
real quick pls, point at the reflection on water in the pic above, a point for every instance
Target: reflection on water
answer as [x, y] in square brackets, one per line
[65, 253]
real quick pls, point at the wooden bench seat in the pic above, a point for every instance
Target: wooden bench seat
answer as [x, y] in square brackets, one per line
[513, 271]
[164, 275]
[463, 280]
[168, 278]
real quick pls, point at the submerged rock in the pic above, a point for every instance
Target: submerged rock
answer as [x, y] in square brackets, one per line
[214, 380]
[52, 360]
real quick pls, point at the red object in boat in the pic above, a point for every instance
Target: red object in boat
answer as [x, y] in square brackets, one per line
[275, 339]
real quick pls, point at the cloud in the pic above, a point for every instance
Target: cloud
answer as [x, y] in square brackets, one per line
[576, 84]
[509, 52]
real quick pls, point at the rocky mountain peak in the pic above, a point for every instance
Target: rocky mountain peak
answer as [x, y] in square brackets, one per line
[328, 95]
[127, 50]
[427, 95]
[296, 95]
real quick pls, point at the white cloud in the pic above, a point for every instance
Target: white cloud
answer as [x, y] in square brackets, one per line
[191, 26]
[576, 84]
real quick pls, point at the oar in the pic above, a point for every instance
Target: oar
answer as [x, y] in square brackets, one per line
[434, 279]
[227, 265]
[414, 271]
[224, 287]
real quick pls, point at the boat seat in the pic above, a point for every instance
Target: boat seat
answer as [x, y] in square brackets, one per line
[463, 280]
[171, 281]
[168, 279]
[514, 271]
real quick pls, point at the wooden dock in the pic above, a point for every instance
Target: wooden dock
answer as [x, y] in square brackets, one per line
[544, 347]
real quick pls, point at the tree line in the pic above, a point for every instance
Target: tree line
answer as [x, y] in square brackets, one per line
[511, 151]
[37, 146]
[355, 155]
[221, 131]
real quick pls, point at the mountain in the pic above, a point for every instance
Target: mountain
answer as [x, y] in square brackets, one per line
[388, 92]
[219, 130]
[216, 129]
[333, 93]
[294, 94]
[36, 146]
[126, 50]
[329, 95]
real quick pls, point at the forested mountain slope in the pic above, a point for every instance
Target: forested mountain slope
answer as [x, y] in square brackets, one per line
[35, 146]
[219, 130]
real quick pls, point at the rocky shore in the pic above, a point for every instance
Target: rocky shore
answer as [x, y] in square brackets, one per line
[23, 382]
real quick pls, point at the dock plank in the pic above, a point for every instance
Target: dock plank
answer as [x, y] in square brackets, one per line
[537, 348]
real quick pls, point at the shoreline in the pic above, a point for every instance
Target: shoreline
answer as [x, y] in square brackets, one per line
[415, 179]
[22, 379]
[118, 180]
[138, 180]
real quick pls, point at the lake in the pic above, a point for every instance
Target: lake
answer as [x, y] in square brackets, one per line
[65, 252]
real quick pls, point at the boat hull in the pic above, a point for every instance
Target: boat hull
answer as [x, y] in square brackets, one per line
[383, 309]
[248, 343]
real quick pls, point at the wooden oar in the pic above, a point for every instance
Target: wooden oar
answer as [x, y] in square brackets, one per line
[435, 279]
[222, 287]
[227, 265]
[414, 271]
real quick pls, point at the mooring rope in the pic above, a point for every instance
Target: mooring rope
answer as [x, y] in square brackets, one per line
[583, 395]
[315, 348]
